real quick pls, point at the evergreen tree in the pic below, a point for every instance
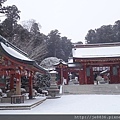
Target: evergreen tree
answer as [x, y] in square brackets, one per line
[58, 46]
[53, 43]
[8, 25]
[66, 48]
[104, 34]
[116, 29]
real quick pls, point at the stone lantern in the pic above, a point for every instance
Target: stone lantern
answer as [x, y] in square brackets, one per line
[53, 90]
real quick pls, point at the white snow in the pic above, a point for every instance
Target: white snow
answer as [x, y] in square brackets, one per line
[75, 104]
[53, 72]
[60, 92]
[70, 60]
[14, 53]
[96, 52]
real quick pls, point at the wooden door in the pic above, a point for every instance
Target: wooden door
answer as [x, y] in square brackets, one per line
[114, 75]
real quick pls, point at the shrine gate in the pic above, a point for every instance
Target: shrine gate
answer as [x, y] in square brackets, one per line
[89, 59]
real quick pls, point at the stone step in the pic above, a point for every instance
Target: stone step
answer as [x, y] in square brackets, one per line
[92, 89]
[29, 104]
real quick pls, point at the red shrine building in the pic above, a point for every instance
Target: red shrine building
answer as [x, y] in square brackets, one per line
[91, 59]
[14, 63]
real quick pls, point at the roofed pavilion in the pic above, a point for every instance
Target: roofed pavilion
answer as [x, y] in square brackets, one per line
[15, 63]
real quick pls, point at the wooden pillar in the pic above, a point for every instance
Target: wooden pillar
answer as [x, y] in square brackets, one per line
[119, 75]
[30, 86]
[61, 75]
[85, 75]
[111, 73]
[12, 82]
[65, 75]
[18, 83]
[91, 76]
[81, 76]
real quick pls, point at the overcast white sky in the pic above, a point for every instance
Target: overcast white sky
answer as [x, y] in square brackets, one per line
[72, 18]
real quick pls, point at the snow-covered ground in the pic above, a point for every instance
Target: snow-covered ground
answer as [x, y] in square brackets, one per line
[76, 104]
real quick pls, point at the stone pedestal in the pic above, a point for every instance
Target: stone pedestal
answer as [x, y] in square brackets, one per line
[70, 82]
[6, 100]
[53, 90]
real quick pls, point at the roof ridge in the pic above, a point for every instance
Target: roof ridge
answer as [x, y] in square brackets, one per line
[6, 42]
[96, 45]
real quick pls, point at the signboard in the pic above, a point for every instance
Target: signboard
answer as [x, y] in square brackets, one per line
[101, 68]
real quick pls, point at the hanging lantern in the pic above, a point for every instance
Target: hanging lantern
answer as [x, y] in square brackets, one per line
[9, 73]
[25, 72]
[6, 72]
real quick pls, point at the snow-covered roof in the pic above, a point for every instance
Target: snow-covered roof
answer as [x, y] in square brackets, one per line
[15, 53]
[53, 72]
[96, 52]
[60, 62]
[70, 60]
[74, 65]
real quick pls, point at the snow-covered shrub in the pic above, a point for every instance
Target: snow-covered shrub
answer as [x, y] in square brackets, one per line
[23, 91]
[34, 92]
[49, 62]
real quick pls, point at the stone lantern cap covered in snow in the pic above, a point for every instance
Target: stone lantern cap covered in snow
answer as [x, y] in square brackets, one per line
[53, 74]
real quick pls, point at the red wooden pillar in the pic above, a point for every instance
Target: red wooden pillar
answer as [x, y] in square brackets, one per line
[111, 74]
[85, 75]
[65, 75]
[12, 82]
[30, 86]
[91, 76]
[61, 75]
[119, 75]
[18, 82]
[81, 76]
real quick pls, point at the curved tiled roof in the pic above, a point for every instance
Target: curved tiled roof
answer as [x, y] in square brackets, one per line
[15, 53]
[97, 51]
